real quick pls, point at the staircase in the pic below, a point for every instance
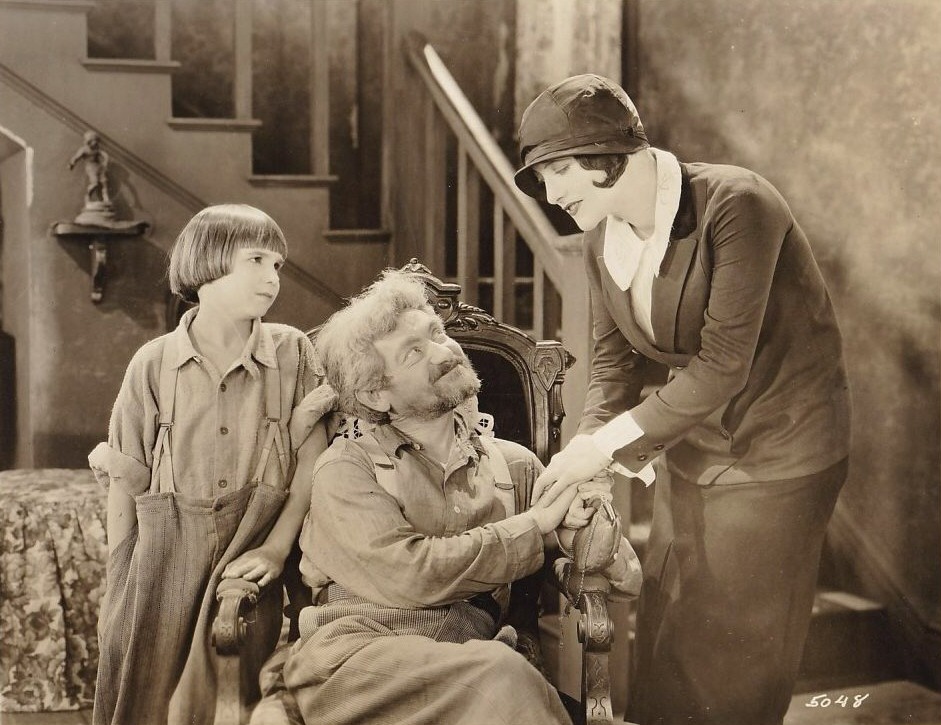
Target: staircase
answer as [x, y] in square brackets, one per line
[188, 162]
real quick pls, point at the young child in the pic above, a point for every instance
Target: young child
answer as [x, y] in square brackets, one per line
[200, 464]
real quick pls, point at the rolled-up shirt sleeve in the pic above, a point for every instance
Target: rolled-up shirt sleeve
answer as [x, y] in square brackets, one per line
[127, 457]
[358, 535]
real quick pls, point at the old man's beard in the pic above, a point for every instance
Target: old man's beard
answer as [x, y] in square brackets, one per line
[454, 383]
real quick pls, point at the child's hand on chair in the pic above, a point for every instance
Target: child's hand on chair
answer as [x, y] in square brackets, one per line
[258, 565]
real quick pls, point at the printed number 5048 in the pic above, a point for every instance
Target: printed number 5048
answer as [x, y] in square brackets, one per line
[841, 701]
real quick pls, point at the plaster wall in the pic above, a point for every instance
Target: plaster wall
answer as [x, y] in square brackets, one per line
[15, 197]
[837, 103]
[71, 353]
[559, 38]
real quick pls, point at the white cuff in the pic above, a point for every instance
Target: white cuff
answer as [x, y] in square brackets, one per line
[616, 434]
[645, 474]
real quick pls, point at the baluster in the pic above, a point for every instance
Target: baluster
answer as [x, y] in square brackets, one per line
[319, 89]
[539, 299]
[552, 317]
[162, 29]
[243, 59]
[504, 266]
[435, 188]
[468, 227]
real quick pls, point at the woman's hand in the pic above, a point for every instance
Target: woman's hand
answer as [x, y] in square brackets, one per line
[258, 565]
[579, 461]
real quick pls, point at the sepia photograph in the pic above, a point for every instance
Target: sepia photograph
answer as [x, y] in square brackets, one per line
[470, 362]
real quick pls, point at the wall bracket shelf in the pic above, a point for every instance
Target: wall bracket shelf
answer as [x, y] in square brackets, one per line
[97, 238]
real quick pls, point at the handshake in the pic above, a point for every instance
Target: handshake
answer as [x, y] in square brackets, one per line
[588, 531]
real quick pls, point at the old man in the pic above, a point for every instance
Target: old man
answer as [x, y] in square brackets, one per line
[414, 536]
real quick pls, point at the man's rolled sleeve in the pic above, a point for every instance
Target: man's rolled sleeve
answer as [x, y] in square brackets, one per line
[360, 537]
[521, 543]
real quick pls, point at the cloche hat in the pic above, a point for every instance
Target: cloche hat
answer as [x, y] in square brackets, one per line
[582, 115]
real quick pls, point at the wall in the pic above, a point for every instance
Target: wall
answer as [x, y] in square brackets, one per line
[15, 195]
[71, 353]
[560, 38]
[838, 104]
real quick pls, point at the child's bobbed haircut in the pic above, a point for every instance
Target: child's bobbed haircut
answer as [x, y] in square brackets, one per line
[203, 250]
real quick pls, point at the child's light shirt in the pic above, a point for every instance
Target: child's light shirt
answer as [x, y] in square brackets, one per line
[219, 423]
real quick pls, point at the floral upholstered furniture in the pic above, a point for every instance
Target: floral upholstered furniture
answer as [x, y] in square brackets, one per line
[53, 556]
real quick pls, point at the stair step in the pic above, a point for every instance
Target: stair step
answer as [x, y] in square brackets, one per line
[292, 180]
[131, 65]
[75, 5]
[348, 236]
[214, 124]
[879, 704]
[849, 642]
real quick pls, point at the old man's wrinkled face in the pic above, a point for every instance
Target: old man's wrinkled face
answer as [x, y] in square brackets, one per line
[429, 375]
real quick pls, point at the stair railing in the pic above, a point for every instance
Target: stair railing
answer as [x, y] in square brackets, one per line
[481, 161]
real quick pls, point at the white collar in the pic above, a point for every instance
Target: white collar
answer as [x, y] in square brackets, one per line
[622, 247]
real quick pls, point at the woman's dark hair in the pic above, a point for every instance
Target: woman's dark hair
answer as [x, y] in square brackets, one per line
[612, 165]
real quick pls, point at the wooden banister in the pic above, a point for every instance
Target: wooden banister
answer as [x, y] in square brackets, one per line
[491, 163]
[560, 307]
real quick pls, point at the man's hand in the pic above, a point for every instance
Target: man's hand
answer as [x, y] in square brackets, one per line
[590, 497]
[579, 461]
[549, 514]
[258, 565]
[588, 500]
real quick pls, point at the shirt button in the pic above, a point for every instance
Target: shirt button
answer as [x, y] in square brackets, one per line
[222, 387]
[224, 431]
[642, 457]
[223, 483]
[680, 367]
[658, 447]
[457, 509]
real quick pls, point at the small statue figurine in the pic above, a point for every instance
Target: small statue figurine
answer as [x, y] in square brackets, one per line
[96, 225]
[98, 207]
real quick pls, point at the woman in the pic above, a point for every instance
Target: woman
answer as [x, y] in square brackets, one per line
[703, 268]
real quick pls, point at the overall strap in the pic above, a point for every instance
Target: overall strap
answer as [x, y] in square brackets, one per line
[273, 434]
[161, 479]
[382, 465]
[504, 487]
